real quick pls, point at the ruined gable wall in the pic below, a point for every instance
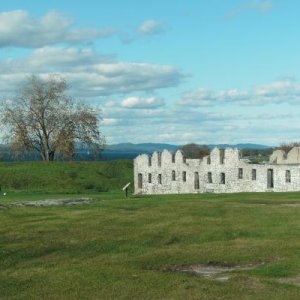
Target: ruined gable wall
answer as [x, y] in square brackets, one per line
[280, 157]
[293, 157]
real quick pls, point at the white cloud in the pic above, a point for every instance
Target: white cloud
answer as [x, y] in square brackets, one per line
[88, 73]
[20, 29]
[145, 30]
[110, 121]
[277, 92]
[110, 103]
[233, 95]
[63, 57]
[284, 87]
[259, 6]
[200, 97]
[142, 103]
[219, 124]
[150, 27]
[203, 97]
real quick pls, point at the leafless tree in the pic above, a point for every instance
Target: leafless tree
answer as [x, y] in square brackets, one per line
[195, 151]
[286, 147]
[44, 119]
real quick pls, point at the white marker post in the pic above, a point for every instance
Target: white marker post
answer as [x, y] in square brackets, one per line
[125, 188]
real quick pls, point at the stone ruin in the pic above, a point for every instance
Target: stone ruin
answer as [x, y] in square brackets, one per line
[223, 171]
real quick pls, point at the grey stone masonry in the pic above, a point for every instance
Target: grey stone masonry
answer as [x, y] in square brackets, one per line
[280, 157]
[223, 171]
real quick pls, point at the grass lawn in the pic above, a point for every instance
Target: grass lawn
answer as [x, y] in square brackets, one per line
[65, 177]
[116, 248]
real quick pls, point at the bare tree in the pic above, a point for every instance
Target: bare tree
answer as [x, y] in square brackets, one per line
[195, 151]
[286, 147]
[44, 119]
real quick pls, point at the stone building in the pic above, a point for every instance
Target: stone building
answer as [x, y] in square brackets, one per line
[223, 171]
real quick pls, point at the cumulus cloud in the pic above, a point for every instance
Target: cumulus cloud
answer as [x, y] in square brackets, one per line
[110, 103]
[259, 6]
[199, 97]
[219, 124]
[62, 56]
[142, 103]
[150, 27]
[203, 97]
[164, 125]
[146, 29]
[283, 87]
[277, 92]
[88, 73]
[110, 121]
[168, 116]
[20, 29]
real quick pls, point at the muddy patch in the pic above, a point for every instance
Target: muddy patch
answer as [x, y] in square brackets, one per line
[212, 270]
[51, 202]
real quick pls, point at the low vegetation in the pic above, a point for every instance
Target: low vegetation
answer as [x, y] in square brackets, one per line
[141, 247]
[117, 248]
[65, 177]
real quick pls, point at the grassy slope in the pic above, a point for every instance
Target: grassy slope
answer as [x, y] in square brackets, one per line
[65, 177]
[114, 248]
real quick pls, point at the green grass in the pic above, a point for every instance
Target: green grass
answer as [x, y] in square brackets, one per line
[65, 177]
[115, 248]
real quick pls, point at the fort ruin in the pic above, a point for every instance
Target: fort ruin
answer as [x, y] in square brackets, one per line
[223, 171]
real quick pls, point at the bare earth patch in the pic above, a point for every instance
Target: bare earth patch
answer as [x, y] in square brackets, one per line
[212, 270]
[293, 281]
[51, 202]
[293, 204]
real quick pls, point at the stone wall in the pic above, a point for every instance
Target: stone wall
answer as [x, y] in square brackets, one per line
[223, 171]
[280, 157]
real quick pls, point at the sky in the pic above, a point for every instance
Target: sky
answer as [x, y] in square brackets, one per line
[192, 71]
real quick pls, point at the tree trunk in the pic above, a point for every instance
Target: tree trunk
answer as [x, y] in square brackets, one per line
[42, 156]
[51, 155]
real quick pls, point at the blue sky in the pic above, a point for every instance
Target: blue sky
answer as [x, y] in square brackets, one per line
[165, 71]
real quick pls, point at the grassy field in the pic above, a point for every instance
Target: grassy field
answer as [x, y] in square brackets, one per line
[116, 248]
[65, 177]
